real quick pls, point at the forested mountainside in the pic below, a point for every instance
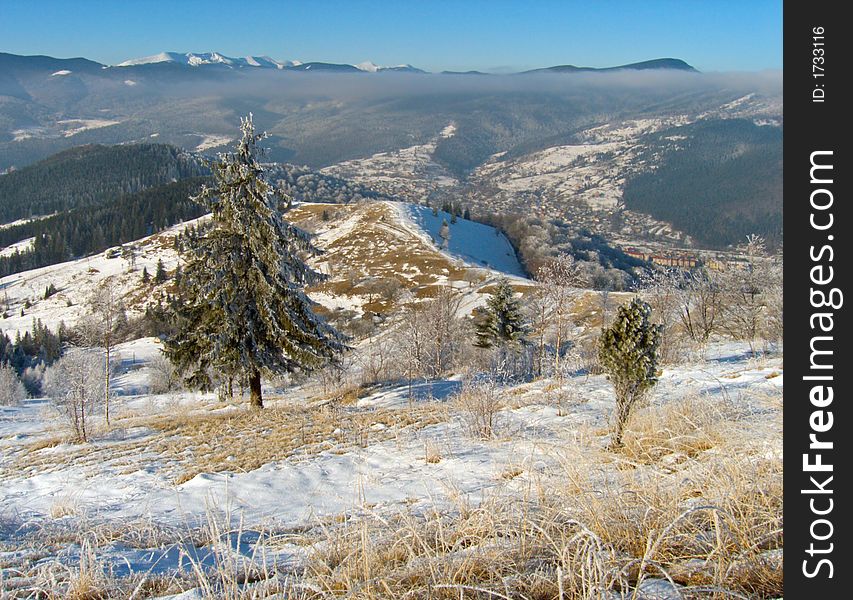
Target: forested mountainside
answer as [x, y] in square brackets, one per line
[92, 229]
[718, 181]
[89, 176]
[306, 185]
[84, 200]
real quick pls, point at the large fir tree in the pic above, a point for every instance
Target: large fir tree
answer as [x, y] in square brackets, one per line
[502, 321]
[245, 313]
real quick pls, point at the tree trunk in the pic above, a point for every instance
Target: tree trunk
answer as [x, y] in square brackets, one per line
[618, 431]
[107, 387]
[558, 342]
[255, 398]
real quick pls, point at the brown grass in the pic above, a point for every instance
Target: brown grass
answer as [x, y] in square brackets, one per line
[678, 430]
[710, 521]
[237, 441]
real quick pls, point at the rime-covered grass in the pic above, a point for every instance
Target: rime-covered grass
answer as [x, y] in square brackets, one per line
[541, 508]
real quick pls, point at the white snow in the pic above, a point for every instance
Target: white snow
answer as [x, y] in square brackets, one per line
[61, 128]
[24, 221]
[74, 126]
[25, 133]
[61, 73]
[371, 67]
[195, 59]
[367, 66]
[156, 58]
[477, 244]
[381, 476]
[21, 246]
[212, 141]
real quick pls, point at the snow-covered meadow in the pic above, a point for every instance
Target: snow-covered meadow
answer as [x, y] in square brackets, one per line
[392, 452]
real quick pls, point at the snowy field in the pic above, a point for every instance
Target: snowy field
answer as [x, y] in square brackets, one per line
[389, 452]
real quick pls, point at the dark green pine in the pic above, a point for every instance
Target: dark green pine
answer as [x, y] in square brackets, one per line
[245, 313]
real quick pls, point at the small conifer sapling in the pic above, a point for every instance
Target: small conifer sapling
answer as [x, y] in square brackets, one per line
[628, 351]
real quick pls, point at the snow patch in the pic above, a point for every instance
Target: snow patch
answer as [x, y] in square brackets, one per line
[21, 246]
[212, 141]
[448, 132]
[72, 127]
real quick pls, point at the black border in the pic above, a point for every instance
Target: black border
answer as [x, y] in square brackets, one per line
[815, 126]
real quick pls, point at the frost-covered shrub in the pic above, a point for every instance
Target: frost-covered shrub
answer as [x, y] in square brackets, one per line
[75, 386]
[164, 376]
[479, 403]
[12, 391]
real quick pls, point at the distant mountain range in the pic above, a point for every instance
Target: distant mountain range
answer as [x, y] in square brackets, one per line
[610, 149]
[217, 61]
[658, 63]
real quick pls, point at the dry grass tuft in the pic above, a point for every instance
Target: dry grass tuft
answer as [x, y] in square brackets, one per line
[480, 404]
[432, 454]
[677, 430]
[64, 506]
[87, 581]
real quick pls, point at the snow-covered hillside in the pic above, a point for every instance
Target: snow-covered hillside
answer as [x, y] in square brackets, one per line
[372, 239]
[410, 173]
[592, 172]
[23, 294]
[477, 244]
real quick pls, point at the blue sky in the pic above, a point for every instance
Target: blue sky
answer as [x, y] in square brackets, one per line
[495, 35]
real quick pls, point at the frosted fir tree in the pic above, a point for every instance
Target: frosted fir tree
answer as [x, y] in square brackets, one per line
[245, 313]
[502, 322]
[628, 351]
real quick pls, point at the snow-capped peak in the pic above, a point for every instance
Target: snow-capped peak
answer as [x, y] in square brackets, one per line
[156, 58]
[196, 59]
[367, 66]
[208, 58]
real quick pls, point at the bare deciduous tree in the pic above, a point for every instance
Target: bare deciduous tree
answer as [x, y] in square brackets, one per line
[560, 279]
[661, 288]
[376, 358]
[12, 391]
[164, 377]
[430, 336]
[99, 328]
[747, 290]
[700, 300]
[536, 303]
[73, 385]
